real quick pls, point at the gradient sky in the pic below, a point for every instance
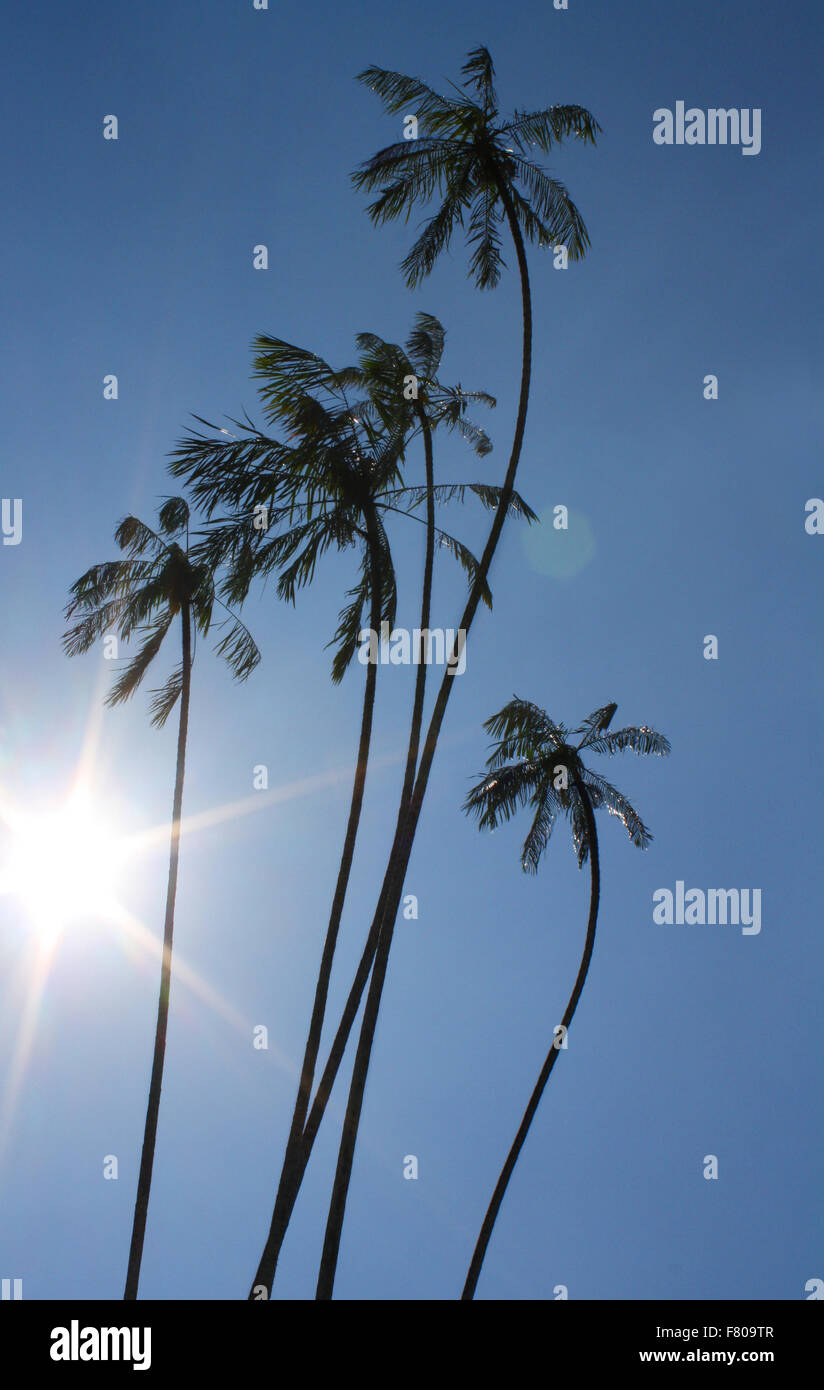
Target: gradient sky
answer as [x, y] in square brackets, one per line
[240, 127]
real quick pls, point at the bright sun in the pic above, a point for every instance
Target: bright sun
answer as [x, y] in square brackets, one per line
[61, 866]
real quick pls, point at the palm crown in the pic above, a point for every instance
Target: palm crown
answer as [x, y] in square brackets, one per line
[526, 767]
[384, 369]
[337, 480]
[142, 595]
[478, 163]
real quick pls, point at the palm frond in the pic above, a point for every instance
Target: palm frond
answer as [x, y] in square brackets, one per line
[399, 92]
[467, 561]
[82, 636]
[486, 262]
[388, 590]
[450, 410]
[522, 728]
[641, 740]
[595, 723]
[425, 344]
[405, 173]
[110, 580]
[221, 472]
[164, 700]
[350, 624]
[301, 570]
[437, 232]
[498, 795]
[539, 832]
[490, 496]
[173, 515]
[548, 127]
[580, 835]
[292, 377]
[135, 537]
[479, 71]
[617, 805]
[548, 216]
[238, 648]
[130, 677]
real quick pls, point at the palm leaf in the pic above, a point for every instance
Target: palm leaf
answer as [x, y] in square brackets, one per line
[397, 92]
[347, 634]
[595, 723]
[131, 676]
[479, 71]
[425, 344]
[486, 262]
[110, 580]
[174, 515]
[135, 537]
[238, 648]
[498, 795]
[549, 217]
[617, 805]
[488, 493]
[437, 232]
[491, 496]
[164, 700]
[539, 832]
[546, 128]
[521, 728]
[641, 740]
[580, 835]
[466, 560]
[406, 172]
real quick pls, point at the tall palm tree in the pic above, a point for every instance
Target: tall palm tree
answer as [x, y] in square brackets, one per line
[477, 164]
[401, 387]
[534, 764]
[142, 595]
[336, 483]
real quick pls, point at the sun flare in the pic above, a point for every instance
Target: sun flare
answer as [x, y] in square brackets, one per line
[61, 866]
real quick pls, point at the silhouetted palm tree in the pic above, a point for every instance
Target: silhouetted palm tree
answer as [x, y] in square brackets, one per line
[401, 387]
[143, 596]
[332, 485]
[534, 765]
[477, 164]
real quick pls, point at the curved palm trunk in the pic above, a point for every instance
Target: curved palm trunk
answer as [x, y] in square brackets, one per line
[289, 1180]
[399, 859]
[426, 608]
[534, 1100]
[144, 1181]
[300, 1142]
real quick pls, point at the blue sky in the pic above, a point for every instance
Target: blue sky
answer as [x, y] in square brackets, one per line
[239, 127]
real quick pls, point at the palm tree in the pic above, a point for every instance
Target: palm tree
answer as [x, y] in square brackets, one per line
[402, 387]
[478, 164]
[143, 594]
[534, 764]
[335, 484]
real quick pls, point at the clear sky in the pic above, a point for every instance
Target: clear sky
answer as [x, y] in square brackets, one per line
[239, 127]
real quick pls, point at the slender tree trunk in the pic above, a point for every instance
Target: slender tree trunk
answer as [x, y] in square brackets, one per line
[396, 869]
[144, 1181]
[426, 608]
[288, 1176]
[534, 1100]
[299, 1146]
